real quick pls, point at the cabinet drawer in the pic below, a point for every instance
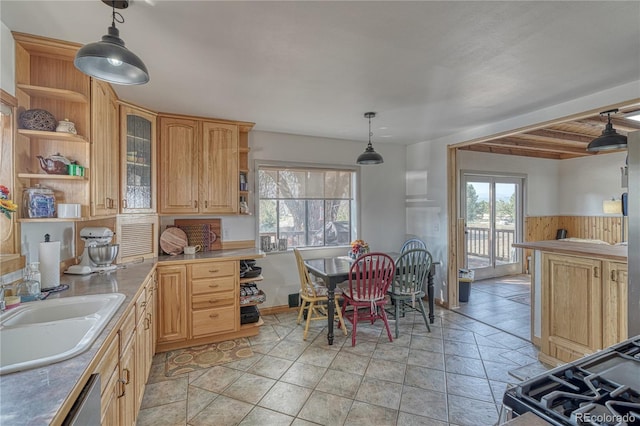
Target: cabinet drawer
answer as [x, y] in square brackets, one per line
[213, 269]
[213, 285]
[127, 329]
[213, 321]
[108, 364]
[213, 300]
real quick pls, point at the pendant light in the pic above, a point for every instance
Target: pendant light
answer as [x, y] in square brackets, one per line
[108, 59]
[610, 139]
[369, 156]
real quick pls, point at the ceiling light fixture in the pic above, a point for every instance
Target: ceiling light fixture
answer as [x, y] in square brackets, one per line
[108, 59]
[369, 156]
[610, 139]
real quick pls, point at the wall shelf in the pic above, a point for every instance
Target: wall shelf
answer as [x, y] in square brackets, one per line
[55, 177]
[57, 136]
[53, 93]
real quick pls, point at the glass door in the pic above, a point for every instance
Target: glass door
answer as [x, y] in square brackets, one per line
[493, 216]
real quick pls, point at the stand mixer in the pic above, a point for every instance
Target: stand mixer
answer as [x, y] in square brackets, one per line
[98, 237]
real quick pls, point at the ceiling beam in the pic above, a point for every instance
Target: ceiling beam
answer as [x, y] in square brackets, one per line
[540, 146]
[621, 125]
[517, 151]
[550, 134]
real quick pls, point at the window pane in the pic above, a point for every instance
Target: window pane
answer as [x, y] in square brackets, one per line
[307, 206]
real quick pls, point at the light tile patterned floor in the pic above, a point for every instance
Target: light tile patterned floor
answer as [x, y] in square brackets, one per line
[454, 375]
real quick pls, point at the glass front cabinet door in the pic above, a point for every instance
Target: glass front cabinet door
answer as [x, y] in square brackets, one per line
[138, 151]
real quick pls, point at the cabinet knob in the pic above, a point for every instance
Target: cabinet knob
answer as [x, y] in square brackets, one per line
[206, 204]
[596, 272]
[613, 276]
[124, 203]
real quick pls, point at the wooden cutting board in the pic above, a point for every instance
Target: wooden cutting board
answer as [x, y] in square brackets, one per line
[173, 240]
[215, 240]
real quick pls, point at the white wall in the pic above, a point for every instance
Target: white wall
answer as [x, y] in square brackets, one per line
[585, 182]
[7, 61]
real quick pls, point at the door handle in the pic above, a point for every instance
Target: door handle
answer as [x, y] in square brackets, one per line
[613, 276]
[596, 272]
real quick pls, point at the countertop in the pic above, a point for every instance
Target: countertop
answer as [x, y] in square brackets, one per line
[578, 248]
[33, 397]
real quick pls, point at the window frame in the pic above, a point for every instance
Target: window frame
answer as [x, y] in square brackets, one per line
[355, 214]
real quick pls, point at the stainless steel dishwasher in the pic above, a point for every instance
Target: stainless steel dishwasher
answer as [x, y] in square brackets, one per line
[86, 409]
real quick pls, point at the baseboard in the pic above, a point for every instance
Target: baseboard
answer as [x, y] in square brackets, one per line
[277, 310]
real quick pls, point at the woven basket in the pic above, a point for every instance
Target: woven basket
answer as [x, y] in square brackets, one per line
[38, 119]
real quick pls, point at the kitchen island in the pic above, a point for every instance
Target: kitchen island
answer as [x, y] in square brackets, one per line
[44, 395]
[579, 297]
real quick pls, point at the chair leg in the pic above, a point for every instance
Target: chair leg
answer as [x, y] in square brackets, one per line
[343, 326]
[424, 315]
[386, 324]
[310, 310]
[302, 308]
[398, 302]
[355, 326]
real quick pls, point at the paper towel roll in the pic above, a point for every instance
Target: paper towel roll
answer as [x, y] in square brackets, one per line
[49, 256]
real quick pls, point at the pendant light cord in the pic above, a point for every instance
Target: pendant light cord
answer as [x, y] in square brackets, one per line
[116, 16]
[370, 132]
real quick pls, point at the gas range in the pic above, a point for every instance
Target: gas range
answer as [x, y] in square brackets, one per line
[600, 389]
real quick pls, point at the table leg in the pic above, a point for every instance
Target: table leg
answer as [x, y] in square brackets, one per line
[331, 307]
[430, 292]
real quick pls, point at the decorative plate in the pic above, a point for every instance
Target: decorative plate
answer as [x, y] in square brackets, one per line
[173, 240]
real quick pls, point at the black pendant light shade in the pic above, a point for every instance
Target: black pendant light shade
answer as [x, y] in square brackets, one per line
[110, 60]
[610, 139]
[369, 156]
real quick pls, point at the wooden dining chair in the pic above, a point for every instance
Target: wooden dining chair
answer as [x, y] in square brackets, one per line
[314, 298]
[413, 243]
[369, 280]
[407, 288]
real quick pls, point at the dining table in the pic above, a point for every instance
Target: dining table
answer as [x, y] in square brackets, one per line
[334, 270]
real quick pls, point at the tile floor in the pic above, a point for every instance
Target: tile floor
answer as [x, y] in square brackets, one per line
[454, 375]
[502, 303]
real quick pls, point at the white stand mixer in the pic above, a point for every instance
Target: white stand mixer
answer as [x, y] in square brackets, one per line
[92, 237]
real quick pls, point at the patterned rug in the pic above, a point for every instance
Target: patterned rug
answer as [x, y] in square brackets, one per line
[185, 360]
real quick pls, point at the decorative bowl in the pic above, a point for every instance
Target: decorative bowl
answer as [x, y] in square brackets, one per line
[38, 119]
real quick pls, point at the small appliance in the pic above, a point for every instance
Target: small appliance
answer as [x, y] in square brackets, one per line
[96, 240]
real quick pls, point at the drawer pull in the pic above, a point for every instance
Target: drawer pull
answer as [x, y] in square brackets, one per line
[143, 304]
[596, 272]
[214, 286]
[146, 323]
[213, 271]
[128, 373]
[122, 388]
[213, 316]
[613, 276]
[212, 301]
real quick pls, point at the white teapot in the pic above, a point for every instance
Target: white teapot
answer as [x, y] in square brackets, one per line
[66, 126]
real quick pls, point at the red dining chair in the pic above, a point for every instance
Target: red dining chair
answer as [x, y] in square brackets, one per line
[370, 278]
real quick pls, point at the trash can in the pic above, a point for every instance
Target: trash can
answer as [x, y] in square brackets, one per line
[465, 278]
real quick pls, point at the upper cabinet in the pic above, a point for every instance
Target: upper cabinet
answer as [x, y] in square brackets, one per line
[46, 79]
[199, 166]
[137, 160]
[104, 150]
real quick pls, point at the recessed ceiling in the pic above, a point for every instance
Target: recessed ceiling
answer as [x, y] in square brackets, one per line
[429, 69]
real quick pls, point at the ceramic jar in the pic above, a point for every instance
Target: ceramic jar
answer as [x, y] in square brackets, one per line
[66, 126]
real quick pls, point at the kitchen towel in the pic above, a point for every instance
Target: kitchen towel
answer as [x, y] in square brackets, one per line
[49, 257]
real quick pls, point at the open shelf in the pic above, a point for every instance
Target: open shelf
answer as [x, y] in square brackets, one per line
[57, 136]
[250, 280]
[45, 176]
[53, 219]
[53, 93]
[252, 325]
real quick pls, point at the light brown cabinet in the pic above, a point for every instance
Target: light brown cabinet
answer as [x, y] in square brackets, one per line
[104, 151]
[171, 319]
[199, 165]
[137, 160]
[47, 79]
[583, 306]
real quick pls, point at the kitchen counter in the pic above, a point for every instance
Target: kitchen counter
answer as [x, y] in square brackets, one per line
[578, 248]
[36, 396]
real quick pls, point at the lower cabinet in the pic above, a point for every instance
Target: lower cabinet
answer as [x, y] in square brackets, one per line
[125, 365]
[584, 306]
[199, 303]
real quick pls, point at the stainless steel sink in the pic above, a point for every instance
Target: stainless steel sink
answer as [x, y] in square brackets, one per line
[43, 332]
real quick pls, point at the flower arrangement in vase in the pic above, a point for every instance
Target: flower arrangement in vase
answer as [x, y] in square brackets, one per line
[358, 248]
[7, 206]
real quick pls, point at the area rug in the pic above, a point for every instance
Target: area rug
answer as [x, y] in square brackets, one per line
[183, 361]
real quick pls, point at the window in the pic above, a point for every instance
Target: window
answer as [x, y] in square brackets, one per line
[305, 206]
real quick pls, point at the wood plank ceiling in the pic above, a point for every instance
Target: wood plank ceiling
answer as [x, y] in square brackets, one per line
[561, 140]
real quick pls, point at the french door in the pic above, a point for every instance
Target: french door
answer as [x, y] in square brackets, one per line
[493, 212]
